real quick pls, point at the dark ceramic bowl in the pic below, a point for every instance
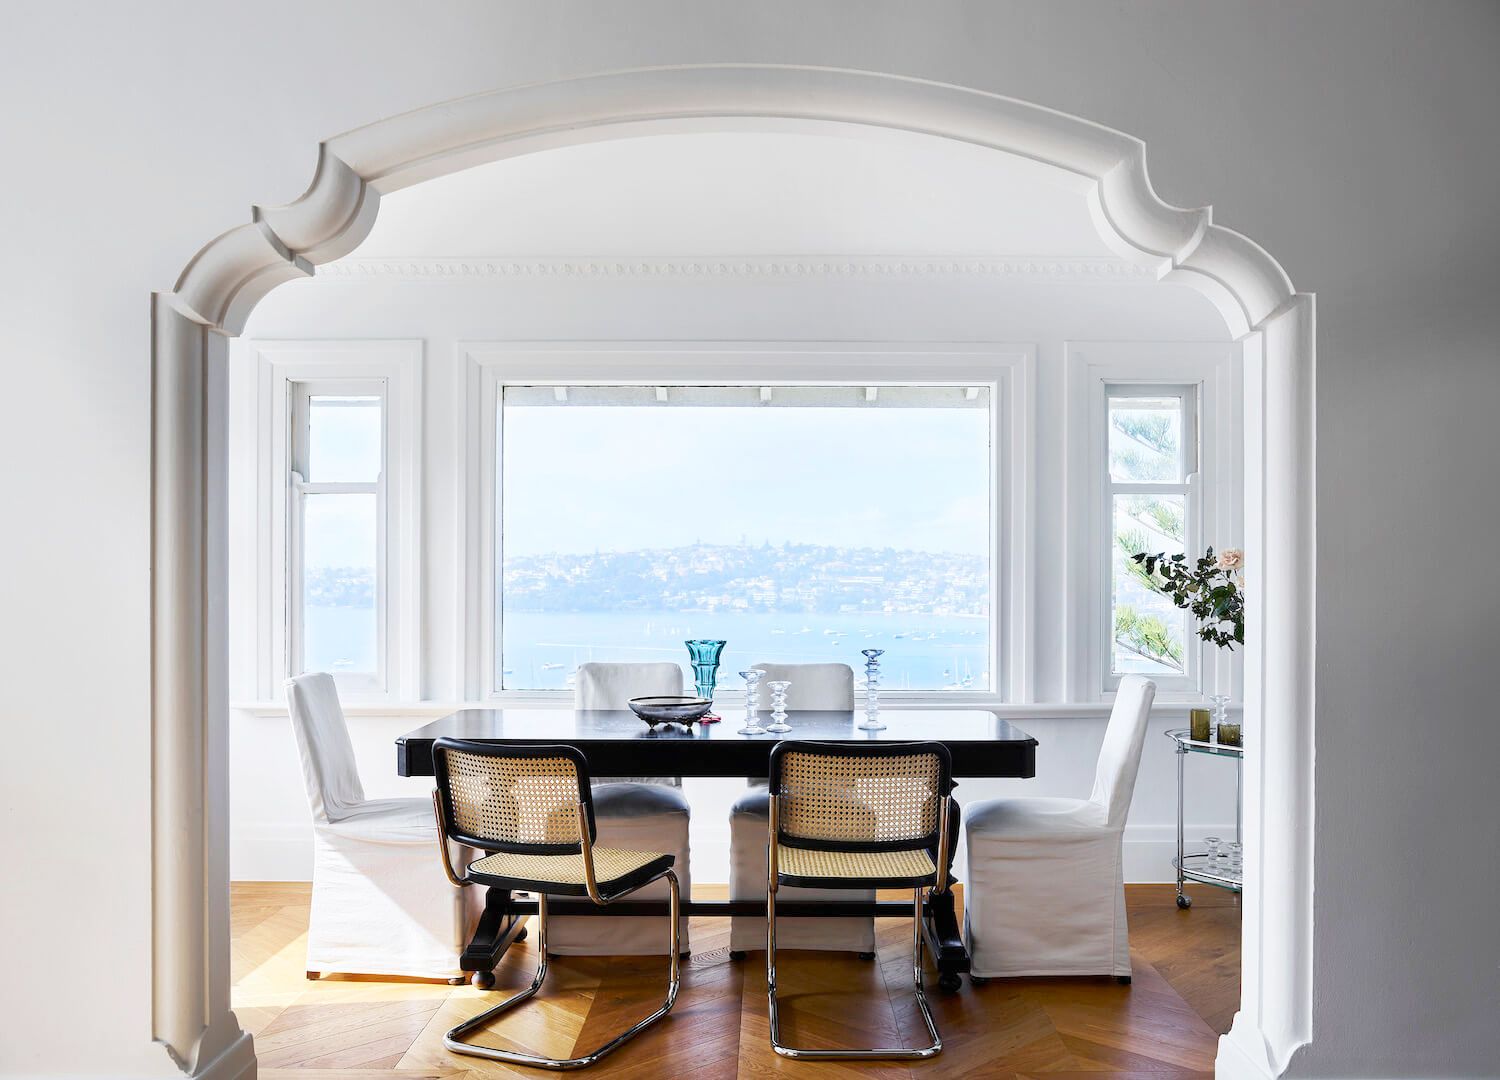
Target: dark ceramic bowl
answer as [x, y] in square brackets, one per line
[670, 709]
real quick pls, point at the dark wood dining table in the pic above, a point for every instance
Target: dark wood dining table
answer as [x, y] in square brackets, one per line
[618, 743]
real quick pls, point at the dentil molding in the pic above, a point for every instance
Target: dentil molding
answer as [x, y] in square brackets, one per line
[1044, 269]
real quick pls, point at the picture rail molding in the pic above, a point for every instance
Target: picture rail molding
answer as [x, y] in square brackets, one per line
[1042, 269]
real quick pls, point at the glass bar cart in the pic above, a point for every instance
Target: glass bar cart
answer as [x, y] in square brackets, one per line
[1196, 866]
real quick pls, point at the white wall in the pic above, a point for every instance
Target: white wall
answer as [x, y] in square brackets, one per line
[270, 831]
[1355, 140]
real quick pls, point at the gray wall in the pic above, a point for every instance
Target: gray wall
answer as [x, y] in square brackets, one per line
[1357, 141]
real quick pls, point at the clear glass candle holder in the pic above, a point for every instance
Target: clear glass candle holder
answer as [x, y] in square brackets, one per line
[752, 702]
[778, 722]
[872, 690]
[1221, 712]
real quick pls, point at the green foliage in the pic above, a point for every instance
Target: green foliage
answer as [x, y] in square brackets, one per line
[1168, 518]
[1148, 636]
[1210, 593]
[1153, 431]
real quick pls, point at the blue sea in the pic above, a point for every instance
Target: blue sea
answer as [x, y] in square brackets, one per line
[541, 651]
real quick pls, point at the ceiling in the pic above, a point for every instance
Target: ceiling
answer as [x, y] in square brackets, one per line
[744, 194]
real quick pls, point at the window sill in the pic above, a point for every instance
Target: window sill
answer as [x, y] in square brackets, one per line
[1060, 710]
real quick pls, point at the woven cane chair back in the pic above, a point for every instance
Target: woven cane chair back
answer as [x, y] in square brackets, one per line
[867, 798]
[518, 799]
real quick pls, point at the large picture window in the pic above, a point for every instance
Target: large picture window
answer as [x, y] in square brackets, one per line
[800, 523]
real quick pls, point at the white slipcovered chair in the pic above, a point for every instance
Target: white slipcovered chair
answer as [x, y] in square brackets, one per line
[1046, 888]
[377, 907]
[814, 687]
[633, 814]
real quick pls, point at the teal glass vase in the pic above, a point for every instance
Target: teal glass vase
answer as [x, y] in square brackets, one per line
[705, 657]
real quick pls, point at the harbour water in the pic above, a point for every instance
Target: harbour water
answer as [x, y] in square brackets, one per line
[542, 651]
[929, 652]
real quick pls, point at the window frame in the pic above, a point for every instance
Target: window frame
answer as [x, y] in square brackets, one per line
[1190, 488]
[1210, 373]
[300, 393]
[288, 374]
[1007, 370]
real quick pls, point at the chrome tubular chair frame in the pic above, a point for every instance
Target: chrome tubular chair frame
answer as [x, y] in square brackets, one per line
[939, 885]
[454, 1039]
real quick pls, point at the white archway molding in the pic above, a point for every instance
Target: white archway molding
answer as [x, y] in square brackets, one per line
[221, 285]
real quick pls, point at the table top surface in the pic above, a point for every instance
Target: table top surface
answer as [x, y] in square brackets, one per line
[543, 725]
[620, 743]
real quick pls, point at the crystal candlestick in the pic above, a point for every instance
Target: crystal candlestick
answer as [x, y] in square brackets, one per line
[752, 701]
[705, 657]
[1221, 712]
[872, 690]
[778, 706]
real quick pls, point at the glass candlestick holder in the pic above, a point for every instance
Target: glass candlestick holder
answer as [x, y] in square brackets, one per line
[752, 701]
[1221, 713]
[778, 722]
[872, 690]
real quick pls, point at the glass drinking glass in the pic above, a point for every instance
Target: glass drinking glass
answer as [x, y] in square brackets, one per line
[705, 657]
[752, 701]
[1211, 845]
[778, 722]
[1234, 856]
[872, 690]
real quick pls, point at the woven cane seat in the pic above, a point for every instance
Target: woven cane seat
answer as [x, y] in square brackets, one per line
[853, 869]
[615, 870]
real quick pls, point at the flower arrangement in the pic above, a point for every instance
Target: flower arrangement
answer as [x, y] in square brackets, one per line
[1211, 588]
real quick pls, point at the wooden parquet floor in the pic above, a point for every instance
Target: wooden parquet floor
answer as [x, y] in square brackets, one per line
[1166, 1024]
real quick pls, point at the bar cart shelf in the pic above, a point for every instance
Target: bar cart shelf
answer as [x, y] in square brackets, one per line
[1194, 866]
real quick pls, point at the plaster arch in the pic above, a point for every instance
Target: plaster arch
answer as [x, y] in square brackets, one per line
[222, 283]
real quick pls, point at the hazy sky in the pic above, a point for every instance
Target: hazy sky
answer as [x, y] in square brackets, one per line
[617, 478]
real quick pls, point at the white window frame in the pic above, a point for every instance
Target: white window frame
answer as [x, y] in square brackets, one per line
[300, 394]
[1189, 488]
[1207, 373]
[1007, 370]
[288, 373]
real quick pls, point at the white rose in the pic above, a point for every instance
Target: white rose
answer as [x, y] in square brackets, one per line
[1231, 559]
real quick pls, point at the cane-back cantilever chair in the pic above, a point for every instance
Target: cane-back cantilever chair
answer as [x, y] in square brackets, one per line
[859, 816]
[531, 809]
[816, 687]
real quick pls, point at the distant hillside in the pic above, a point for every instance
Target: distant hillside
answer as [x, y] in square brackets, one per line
[789, 578]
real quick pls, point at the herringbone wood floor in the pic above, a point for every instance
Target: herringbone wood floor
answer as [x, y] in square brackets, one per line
[344, 1028]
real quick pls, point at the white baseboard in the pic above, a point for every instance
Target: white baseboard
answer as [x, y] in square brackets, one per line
[237, 1062]
[1243, 1054]
[271, 852]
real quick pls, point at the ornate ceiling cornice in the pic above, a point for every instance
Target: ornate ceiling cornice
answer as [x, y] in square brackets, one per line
[1057, 270]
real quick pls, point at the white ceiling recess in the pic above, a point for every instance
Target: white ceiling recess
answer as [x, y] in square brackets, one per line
[755, 196]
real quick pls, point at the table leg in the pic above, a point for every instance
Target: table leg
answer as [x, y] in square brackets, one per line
[944, 941]
[498, 927]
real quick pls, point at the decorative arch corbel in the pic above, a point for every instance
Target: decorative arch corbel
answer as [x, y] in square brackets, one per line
[222, 284]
